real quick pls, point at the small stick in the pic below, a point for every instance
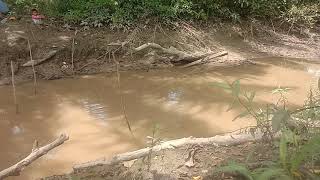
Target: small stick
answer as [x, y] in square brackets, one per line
[121, 97]
[274, 29]
[72, 52]
[14, 89]
[33, 69]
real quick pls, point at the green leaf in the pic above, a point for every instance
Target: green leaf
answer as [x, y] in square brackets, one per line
[271, 173]
[252, 95]
[231, 105]
[312, 147]
[236, 87]
[278, 118]
[283, 148]
[243, 114]
[289, 135]
[235, 168]
[280, 90]
[222, 85]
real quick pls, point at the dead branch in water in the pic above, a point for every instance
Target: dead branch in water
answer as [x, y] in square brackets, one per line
[225, 140]
[179, 55]
[33, 69]
[14, 88]
[34, 155]
[206, 59]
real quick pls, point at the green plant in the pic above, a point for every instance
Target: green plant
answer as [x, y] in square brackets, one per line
[269, 120]
[273, 117]
[306, 15]
[295, 155]
[127, 12]
[291, 163]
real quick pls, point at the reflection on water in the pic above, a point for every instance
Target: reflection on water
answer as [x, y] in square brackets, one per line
[16, 130]
[95, 110]
[181, 102]
[174, 96]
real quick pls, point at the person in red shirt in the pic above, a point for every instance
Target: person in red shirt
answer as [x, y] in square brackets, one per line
[36, 16]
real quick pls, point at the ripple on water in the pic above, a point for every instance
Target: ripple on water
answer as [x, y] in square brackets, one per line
[95, 110]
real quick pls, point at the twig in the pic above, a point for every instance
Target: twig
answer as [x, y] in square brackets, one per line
[34, 155]
[290, 28]
[121, 97]
[303, 109]
[14, 89]
[274, 29]
[153, 142]
[72, 53]
[33, 69]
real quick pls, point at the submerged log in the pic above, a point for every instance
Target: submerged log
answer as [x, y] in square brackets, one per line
[226, 140]
[34, 155]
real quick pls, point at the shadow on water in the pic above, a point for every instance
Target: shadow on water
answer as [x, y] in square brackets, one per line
[181, 103]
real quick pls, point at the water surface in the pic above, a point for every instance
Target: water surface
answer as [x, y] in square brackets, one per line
[179, 102]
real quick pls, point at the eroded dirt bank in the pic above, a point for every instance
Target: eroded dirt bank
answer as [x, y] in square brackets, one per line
[172, 164]
[93, 48]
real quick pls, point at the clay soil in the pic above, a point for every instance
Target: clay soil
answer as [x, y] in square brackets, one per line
[170, 164]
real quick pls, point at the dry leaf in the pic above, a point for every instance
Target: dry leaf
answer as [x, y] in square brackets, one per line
[197, 178]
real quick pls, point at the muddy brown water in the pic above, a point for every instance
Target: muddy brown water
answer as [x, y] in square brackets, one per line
[178, 102]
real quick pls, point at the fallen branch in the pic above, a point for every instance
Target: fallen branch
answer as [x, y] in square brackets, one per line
[36, 62]
[35, 154]
[225, 140]
[33, 69]
[180, 55]
[207, 59]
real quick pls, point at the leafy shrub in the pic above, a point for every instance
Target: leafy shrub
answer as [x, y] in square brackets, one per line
[305, 15]
[289, 166]
[128, 11]
[296, 157]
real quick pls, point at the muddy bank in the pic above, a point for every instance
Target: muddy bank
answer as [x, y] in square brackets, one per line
[92, 48]
[174, 164]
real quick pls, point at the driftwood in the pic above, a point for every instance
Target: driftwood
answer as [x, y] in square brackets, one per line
[36, 62]
[206, 59]
[34, 155]
[179, 55]
[226, 140]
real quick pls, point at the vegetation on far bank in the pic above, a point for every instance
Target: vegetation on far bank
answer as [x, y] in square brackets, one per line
[128, 12]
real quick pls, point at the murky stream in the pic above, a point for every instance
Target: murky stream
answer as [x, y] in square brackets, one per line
[178, 102]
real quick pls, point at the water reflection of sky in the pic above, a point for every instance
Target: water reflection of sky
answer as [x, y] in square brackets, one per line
[16, 130]
[174, 96]
[313, 71]
[96, 110]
